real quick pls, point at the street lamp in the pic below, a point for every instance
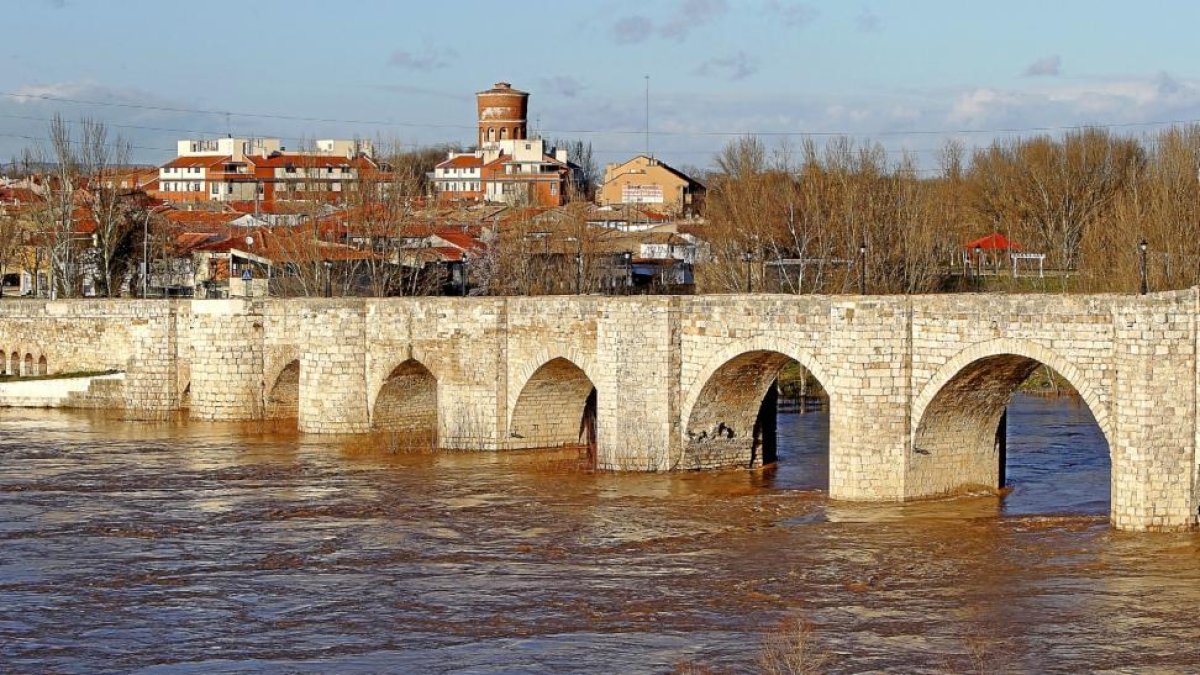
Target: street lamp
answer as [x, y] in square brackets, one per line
[465, 278]
[627, 258]
[578, 274]
[145, 252]
[862, 269]
[748, 258]
[1143, 246]
[328, 279]
[979, 262]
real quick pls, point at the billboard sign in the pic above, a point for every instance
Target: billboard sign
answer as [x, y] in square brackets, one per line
[641, 194]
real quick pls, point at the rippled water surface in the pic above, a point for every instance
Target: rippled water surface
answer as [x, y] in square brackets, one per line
[193, 547]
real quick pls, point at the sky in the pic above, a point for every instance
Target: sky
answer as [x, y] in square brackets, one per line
[911, 75]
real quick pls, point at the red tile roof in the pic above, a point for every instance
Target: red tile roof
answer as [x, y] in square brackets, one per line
[305, 161]
[460, 240]
[209, 160]
[202, 218]
[462, 161]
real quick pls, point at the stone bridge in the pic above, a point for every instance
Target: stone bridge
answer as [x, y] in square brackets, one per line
[917, 384]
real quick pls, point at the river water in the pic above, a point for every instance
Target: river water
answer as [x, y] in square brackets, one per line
[189, 548]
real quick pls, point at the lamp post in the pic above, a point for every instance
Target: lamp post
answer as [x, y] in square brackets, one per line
[578, 274]
[748, 258]
[1143, 246]
[465, 278]
[248, 274]
[862, 269]
[979, 263]
[328, 279]
[145, 262]
[627, 258]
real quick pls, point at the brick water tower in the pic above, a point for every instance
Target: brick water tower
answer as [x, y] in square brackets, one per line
[503, 114]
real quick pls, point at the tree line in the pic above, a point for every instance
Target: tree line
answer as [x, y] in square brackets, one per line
[798, 219]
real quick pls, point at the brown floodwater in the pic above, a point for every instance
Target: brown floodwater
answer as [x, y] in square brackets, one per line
[189, 548]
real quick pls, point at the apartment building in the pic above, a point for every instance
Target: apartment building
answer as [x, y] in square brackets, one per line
[260, 170]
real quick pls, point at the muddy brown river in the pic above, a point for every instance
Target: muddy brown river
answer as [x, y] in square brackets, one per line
[199, 548]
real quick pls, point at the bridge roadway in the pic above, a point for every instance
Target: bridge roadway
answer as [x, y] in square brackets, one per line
[917, 384]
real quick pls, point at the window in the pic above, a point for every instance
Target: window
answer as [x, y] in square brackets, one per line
[216, 188]
[196, 187]
[554, 188]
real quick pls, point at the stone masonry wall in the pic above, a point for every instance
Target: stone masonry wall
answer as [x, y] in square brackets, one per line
[226, 338]
[916, 384]
[1154, 430]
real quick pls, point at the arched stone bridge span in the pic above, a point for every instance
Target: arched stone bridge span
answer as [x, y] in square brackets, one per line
[917, 384]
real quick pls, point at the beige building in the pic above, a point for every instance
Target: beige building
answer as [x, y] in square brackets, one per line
[650, 183]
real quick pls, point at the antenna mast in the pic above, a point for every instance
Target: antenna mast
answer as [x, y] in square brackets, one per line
[647, 116]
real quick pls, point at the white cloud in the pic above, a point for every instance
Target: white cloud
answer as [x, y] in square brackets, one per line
[426, 58]
[1047, 66]
[793, 14]
[686, 17]
[734, 67]
[867, 21]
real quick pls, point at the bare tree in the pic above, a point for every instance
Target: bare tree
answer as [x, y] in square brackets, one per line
[107, 203]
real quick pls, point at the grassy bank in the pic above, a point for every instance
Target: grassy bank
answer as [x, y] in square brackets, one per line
[57, 376]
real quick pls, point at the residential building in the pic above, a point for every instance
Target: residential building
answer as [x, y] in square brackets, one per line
[261, 170]
[651, 183]
[460, 178]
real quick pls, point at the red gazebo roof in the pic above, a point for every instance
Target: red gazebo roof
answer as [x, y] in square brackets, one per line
[993, 242]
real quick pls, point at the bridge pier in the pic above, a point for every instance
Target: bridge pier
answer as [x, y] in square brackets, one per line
[1154, 436]
[333, 370]
[226, 360]
[867, 362]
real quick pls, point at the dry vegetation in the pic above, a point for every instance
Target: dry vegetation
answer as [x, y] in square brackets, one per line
[1084, 199]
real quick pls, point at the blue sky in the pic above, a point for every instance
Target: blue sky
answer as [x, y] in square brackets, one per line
[407, 71]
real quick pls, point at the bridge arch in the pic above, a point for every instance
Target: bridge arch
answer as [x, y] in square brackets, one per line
[555, 405]
[283, 398]
[956, 415]
[406, 404]
[720, 412]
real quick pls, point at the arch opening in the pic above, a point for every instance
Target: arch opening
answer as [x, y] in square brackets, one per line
[283, 400]
[42, 366]
[14, 364]
[556, 408]
[27, 369]
[761, 408]
[1010, 421]
[407, 407]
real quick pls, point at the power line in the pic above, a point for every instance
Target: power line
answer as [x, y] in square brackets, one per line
[174, 130]
[802, 134]
[75, 142]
